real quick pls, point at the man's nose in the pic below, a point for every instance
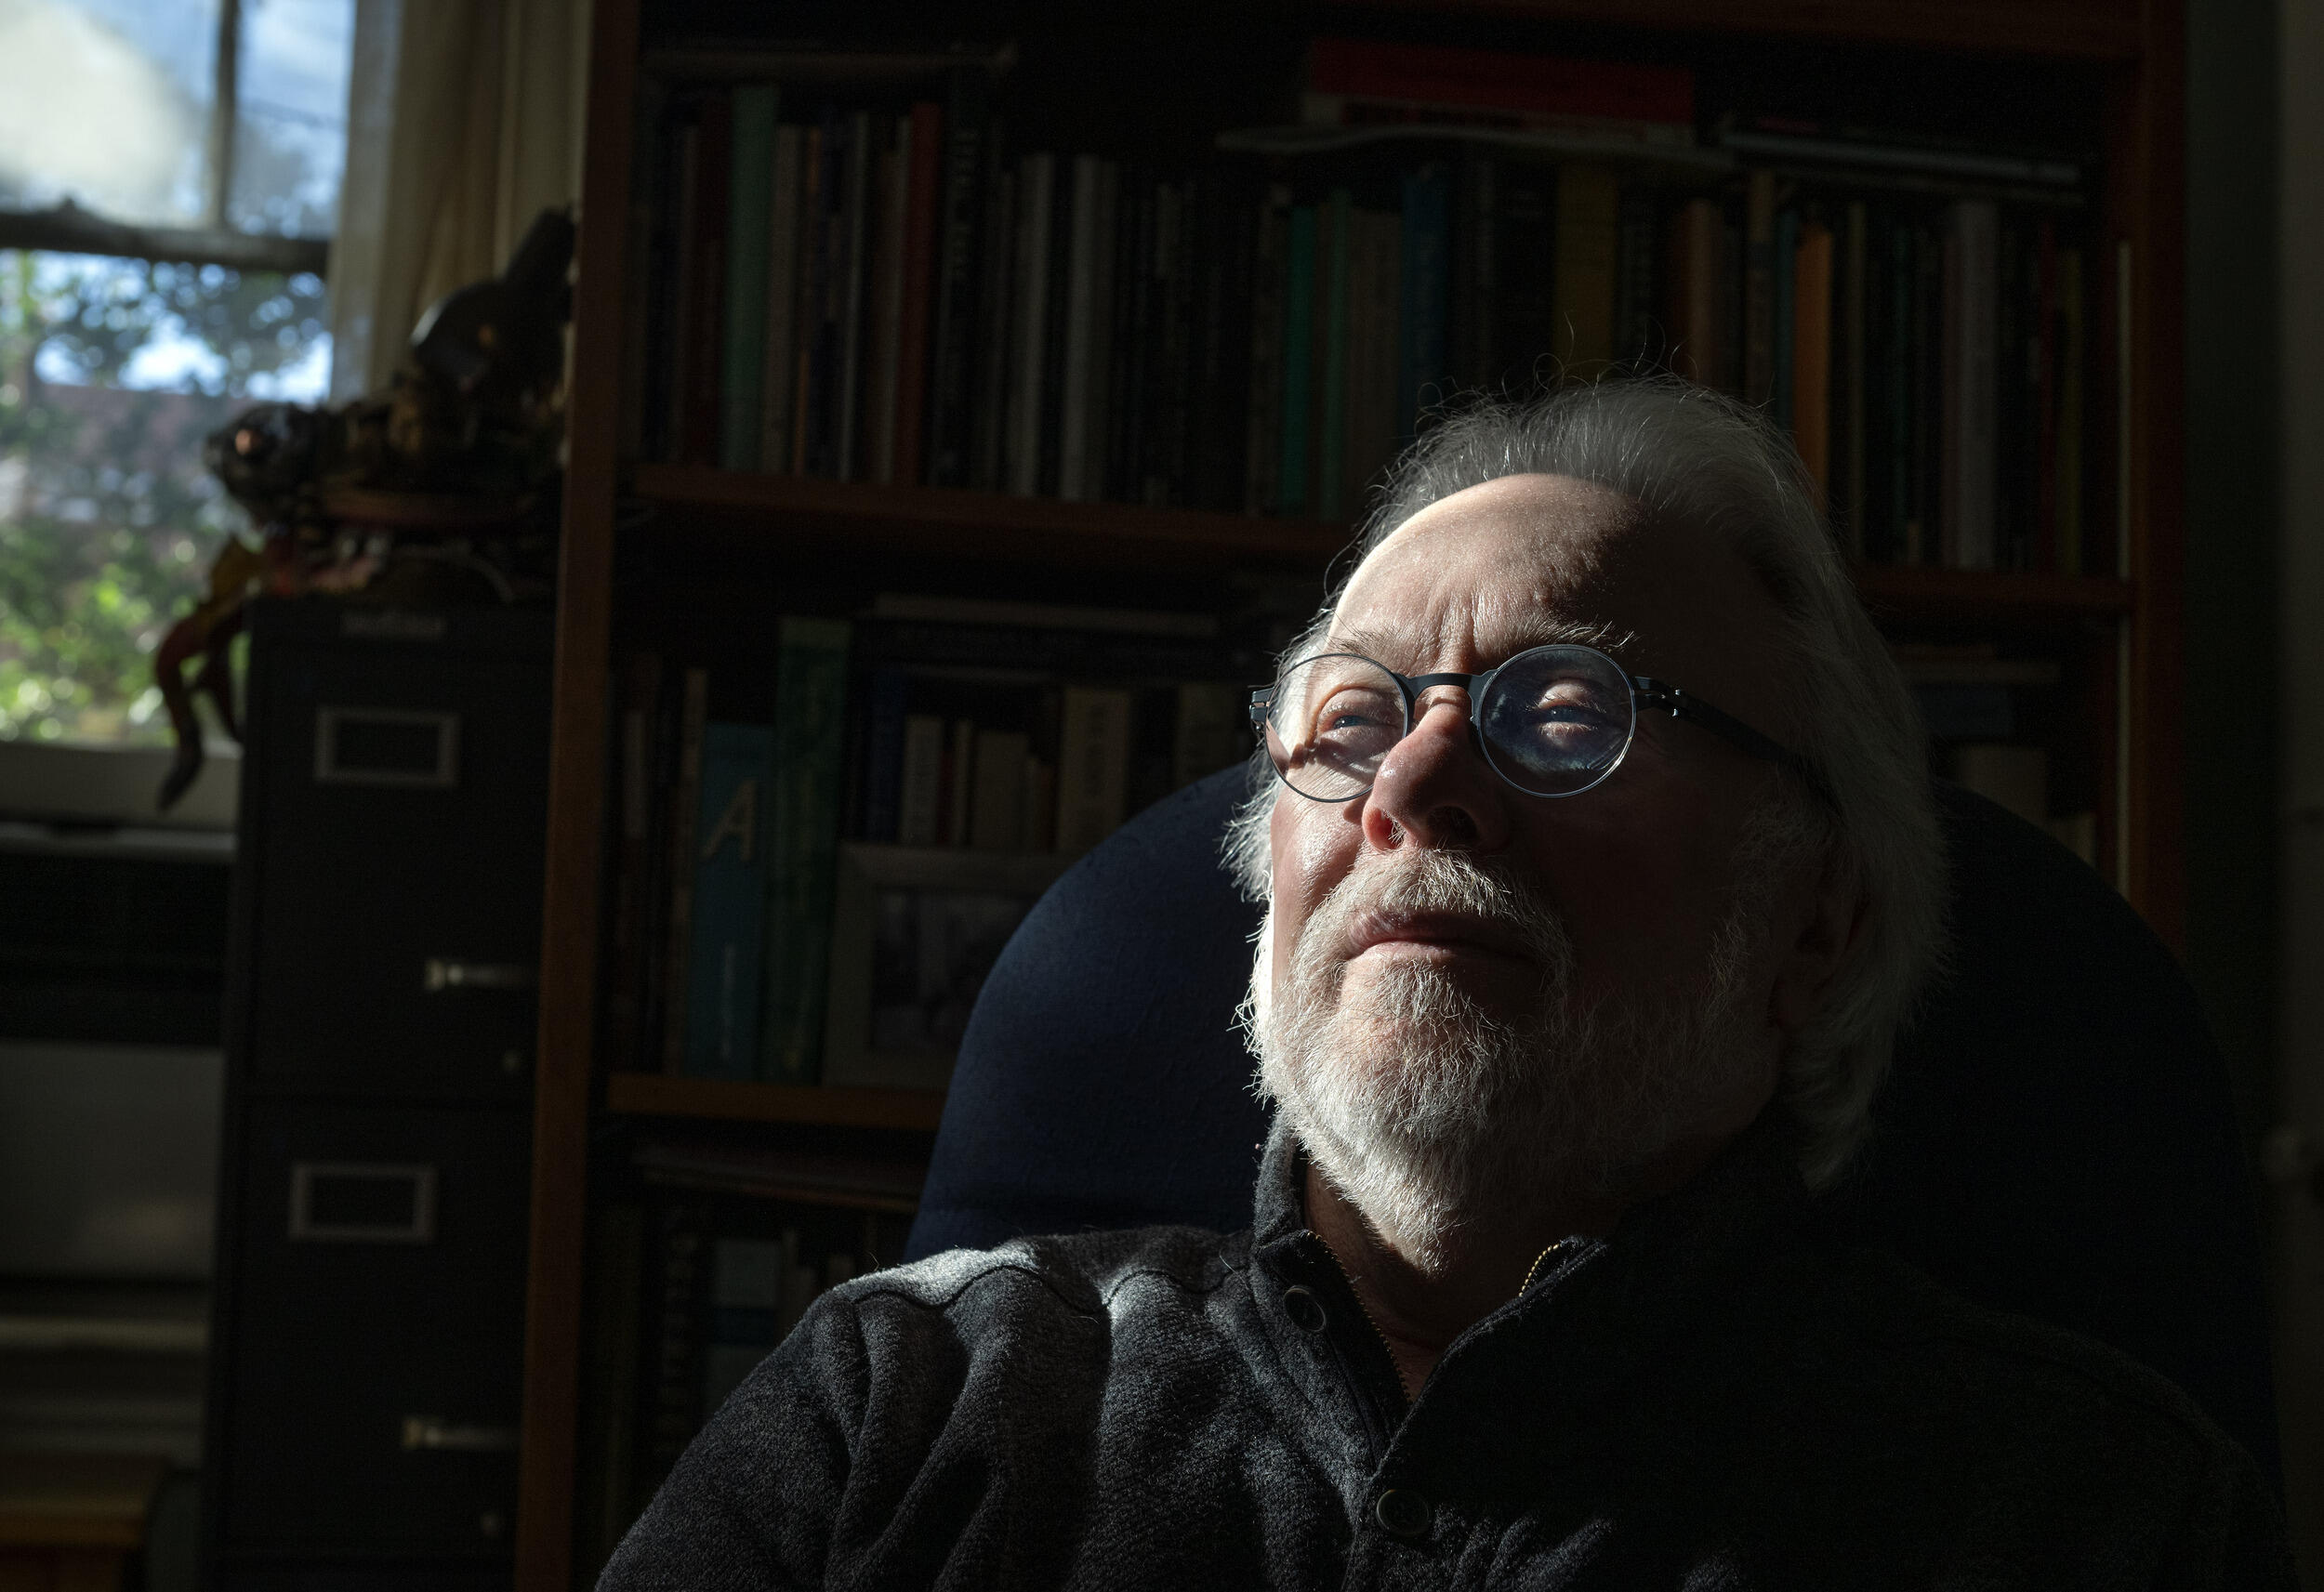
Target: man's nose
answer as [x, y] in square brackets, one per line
[1435, 787]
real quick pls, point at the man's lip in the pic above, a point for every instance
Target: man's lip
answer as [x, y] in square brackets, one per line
[1451, 931]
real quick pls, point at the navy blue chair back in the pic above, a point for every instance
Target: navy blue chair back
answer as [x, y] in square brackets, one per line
[2056, 1138]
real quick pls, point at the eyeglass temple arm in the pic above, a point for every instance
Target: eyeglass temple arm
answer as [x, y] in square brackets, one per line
[1678, 705]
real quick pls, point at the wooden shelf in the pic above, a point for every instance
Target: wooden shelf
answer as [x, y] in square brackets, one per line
[2067, 30]
[658, 1094]
[2010, 598]
[985, 524]
[989, 524]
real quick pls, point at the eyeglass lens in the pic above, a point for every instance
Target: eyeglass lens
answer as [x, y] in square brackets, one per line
[1554, 720]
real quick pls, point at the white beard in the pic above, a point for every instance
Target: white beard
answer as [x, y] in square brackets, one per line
[1426, 1113]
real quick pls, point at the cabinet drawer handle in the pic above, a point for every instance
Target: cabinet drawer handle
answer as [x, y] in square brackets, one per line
[441, 974]
[436, 1434]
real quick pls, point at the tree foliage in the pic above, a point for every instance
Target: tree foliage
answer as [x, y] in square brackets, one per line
[107, 522]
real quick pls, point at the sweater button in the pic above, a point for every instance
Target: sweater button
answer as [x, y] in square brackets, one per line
[1402, 1512]
[1305, 1310]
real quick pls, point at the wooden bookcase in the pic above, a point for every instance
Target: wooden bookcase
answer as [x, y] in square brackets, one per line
[2127, 630]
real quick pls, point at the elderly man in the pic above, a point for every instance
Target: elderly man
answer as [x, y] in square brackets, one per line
[1600, 865]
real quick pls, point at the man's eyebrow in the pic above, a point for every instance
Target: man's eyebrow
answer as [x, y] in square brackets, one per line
[1544, 632]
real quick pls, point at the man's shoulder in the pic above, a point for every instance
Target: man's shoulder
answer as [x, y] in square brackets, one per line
[1094, 1273]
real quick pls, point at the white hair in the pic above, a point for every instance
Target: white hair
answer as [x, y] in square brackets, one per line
[1693, 456]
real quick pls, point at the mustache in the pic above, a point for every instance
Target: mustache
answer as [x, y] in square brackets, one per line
[1451, 883]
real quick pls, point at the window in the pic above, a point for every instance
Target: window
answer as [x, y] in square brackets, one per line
[169, 176]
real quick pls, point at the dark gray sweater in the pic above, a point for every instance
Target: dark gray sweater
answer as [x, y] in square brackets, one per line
[1706, 1400]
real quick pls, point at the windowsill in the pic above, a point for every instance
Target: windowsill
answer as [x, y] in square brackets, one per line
[85, 783]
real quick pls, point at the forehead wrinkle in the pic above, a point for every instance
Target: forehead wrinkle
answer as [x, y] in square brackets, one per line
[1496, 642]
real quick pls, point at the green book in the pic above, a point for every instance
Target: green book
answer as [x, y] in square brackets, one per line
[809, 737]
[1298, 342]
[749, 230]
[1331, 450]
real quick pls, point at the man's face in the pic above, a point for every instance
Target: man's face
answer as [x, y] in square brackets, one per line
[1465, 984]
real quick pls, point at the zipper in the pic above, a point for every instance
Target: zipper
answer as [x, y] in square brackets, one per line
[1532, 1272]
[1366, 1311]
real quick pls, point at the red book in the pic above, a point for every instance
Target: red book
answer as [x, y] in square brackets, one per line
[1488, 80]
[920, 284]
[705, 329]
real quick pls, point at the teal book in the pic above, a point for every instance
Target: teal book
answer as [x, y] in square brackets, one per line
[1299, 353]
[750, 249]
[810, 748]
[1331, 442]
[730, 896]
[1425, 282]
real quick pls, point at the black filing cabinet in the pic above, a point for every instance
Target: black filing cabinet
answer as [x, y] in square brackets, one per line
[366, 1372]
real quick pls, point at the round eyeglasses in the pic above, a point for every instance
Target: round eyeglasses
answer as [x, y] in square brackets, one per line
[1553, 721]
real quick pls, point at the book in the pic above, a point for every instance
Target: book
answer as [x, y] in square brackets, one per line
[1759, 287]
[1093, 766]
[884, 300]
[960, 784]
[1056, 301]
[1694, 285]
[749, 243]
[1081, 416]
[1425, 280]
[705, 332]
[810, 703]
[914, 336]
[1270, 303]
[996, 344]
[1336, 223]
[1783, 271]
[857, 217]
[1298, 363]
[1586, 275]
[1475, 268]
[1975, 227]
[693, 713]
[730, 902]
[1851, 379]
[2071, 334]
[997, 800]
[920, 778]
[1811, 354]
[1029, 319]
[960, 242]
[787, 206]
[1212, 729]
[1375, 259]
[1638, 338]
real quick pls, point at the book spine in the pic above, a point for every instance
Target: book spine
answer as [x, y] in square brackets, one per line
[959, 782]
[1426, 281]
[883, 752]
[810, 731]
[920, 783]
[749, 236]
[1759, 286]
[707, 308]
[1695, 280]
[1637, 341]
[820, 373]
[1036, 204]
[630, 950]
[693, 713]
[1299, 343]
[808, 320]
[1585, 272]
[1783, 271]
[858, 217]
[1951, 400]
[1056, 299]
[669, 413]
[1078, 372]
[1734, 327]
[643, 270]
[1331, 450]
[1371, 353]
[1093, 766]
[997, 805]
[884, 293]
[1103, 352]
[1223, 364]
[1174, 237]
[1977, 225]
[2045, 355]
[996, 338]
[673, 1361]
[730, 893]
[1270, 275]
[2072, 333]
[1811, 354]
[951, 378]
[1476, 297]
[1852, 378]
[922, 192]
[777, 383]
[1902, 271]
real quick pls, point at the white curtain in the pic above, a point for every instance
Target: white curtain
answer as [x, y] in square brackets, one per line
[464, 120]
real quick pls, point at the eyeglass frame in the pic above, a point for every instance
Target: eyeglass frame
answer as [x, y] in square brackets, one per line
[1645, 691]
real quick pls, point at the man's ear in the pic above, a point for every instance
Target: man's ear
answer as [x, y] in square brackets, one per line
[1824, 936]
